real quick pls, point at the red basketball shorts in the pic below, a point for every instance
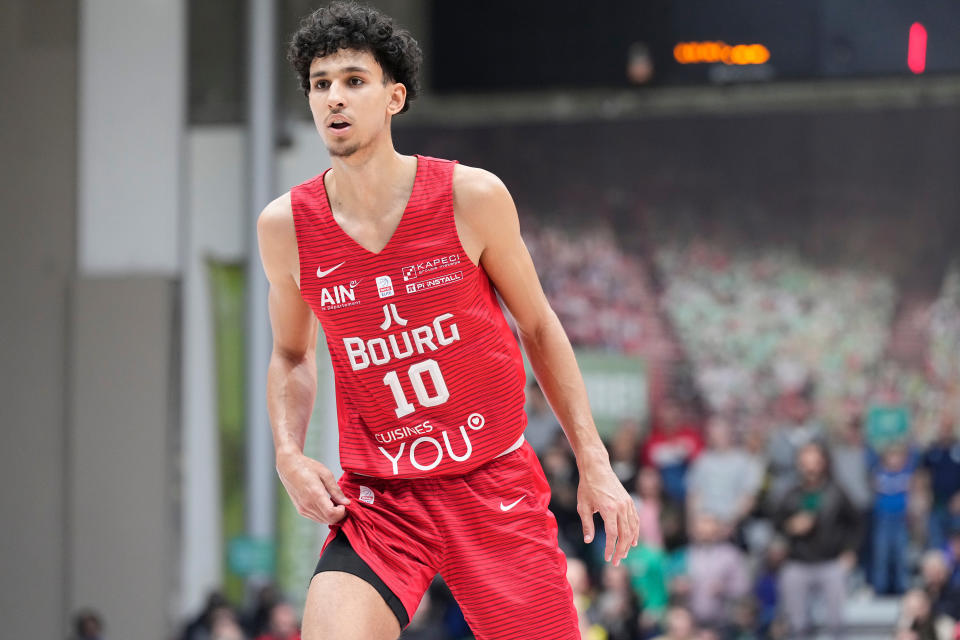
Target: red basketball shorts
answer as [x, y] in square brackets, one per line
[488, 533]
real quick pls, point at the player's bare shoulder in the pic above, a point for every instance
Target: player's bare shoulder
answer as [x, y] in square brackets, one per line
[482, 206]
[278, 239]
[475, 188]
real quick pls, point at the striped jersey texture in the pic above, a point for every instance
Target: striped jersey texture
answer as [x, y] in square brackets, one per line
[429, 378]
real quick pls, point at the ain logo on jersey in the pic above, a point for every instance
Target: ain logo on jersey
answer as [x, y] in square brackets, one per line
[339, 296]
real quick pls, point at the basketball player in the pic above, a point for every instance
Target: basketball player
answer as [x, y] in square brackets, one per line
[400, 259]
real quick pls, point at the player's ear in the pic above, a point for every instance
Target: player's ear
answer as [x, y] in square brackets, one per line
[398, 97]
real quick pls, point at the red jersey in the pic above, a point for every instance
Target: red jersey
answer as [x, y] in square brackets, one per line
[428, 376]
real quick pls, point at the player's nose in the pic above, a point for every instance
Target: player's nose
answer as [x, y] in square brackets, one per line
[335, 95]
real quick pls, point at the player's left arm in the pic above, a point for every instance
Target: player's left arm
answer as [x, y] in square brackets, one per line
[489, 228]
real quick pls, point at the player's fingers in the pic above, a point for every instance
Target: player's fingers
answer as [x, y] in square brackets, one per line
[634, 518]
[623, 540]
[337, 494]
[330, 483]
[586, 517]
[612, 530]
[336, 514]
[326, 511]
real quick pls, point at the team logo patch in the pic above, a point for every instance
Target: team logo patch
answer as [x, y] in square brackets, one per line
[384, 286]
[366, 495]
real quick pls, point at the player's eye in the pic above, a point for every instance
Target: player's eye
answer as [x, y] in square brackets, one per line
[321, 84]
[355, 81]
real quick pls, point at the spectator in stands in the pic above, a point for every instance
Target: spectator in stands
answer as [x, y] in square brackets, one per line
[616, 608]
[662, 530]
[662, 519]
[425, 623]
[850, 461]
[953, 555]
[766, 586]
[942, 462]
[560, 469]
[892, 481]
[649, 576]
[745, 622]
[823, 531]
[723, 481]
[87, 625]
[542, 425]
[256, 618]
[917, 620]
[798, 427]
[717, 570]
[850, 458]
[199, 627]
[672, 446]
[224, 625]
[283, 623]
[579, 580]
[679, 624]
[935, 580]
[623, 452]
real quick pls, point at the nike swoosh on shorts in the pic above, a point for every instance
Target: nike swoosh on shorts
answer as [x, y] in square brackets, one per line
[504, 507]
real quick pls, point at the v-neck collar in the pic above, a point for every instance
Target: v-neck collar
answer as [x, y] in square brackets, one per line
[332, 221]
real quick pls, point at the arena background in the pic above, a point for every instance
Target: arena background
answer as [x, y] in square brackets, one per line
[709, 232]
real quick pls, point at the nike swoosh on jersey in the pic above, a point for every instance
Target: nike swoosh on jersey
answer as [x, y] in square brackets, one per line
[321, 272]
[507, 507]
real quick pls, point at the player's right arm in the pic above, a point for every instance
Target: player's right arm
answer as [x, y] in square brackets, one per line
[292, 374]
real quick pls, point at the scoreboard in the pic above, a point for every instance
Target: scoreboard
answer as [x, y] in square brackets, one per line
[530, 44]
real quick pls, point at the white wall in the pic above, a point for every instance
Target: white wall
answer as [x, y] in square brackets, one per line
[214, 229]
[132, 114]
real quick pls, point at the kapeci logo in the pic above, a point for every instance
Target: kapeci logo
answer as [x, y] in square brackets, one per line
[414, 271]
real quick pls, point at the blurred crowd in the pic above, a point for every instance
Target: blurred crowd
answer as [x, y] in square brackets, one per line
[754, 324]
[599, 292]
[768, 533]
[745, 533]
[806, 459]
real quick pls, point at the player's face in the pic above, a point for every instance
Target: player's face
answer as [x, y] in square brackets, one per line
[350, 100]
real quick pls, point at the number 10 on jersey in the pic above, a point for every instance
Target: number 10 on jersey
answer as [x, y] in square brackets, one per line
[415, 373]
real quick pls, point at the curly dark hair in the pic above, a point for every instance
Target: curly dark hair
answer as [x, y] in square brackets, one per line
[349, 25]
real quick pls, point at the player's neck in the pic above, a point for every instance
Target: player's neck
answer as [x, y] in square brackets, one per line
[366, 182]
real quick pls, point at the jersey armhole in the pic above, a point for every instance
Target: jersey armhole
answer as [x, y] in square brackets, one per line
[303, 220]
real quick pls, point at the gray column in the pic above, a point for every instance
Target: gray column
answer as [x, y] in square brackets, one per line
[261, 471]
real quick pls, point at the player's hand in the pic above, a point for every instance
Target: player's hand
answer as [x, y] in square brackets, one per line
[312, 488]
[601, 491]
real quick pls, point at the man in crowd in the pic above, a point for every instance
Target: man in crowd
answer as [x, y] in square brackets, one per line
[942, 461]
[673, 444]
[822, 529]
[798, 427]
[724, 480]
